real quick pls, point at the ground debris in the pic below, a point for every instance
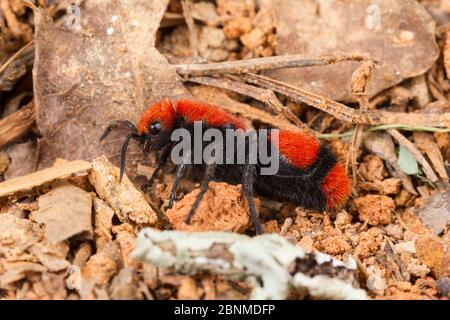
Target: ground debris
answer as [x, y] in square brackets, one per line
[215, 213]
[126, 201]
[375, 209]
[65, 211]
[435, 211]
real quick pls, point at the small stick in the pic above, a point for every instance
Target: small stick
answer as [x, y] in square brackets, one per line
[416, 153]
[17, 124]
[187, 13]
[347, 114]
[267, 63]
[264, 95]
[16, 55]
[287, 223]
[338, 110]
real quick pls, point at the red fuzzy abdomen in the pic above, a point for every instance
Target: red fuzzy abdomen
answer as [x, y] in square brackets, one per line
[336, 186]
[303, 152]
[297, 148]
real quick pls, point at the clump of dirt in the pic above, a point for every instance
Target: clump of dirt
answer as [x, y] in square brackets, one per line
[215, 213]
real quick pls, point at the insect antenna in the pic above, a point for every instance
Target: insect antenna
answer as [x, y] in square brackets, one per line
[116, 124]
[132, 134]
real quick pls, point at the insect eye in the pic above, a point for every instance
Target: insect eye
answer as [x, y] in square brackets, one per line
[154, 128]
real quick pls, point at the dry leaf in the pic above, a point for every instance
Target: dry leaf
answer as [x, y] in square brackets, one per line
[65, 211]
[108, 70]
[399, 35]
[435, 212]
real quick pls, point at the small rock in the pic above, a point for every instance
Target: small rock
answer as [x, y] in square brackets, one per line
[220, 210]
[100, 268]
[253, 39]
[394, 230]
[335, 245]
[342, 219]
[407, 246]
[369, 243]
[435, 253]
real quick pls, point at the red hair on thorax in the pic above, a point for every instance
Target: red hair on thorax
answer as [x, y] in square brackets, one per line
[162, 111]
[166, 112]
[211, 115]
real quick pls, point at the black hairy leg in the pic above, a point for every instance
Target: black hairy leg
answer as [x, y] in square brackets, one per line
[179, 173]
[162, 159]
[248, 176]
[209, 175]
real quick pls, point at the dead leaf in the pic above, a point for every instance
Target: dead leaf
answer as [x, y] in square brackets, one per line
[435, 212]
[108, 70]
[65, 211]
[395, 34]
[381, 144]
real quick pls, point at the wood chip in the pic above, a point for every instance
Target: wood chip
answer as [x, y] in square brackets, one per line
[38, 178]
[103, 223]
[123, 197]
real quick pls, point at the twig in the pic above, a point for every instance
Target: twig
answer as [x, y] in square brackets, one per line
[187, 13]
[336, 109]
[17, 124]
[431, 175]
[360, 80]
[264, 95]
[258, 64]
[35, 179]
[287, 223]
[15, 56]
[219, 97]
[347, 114]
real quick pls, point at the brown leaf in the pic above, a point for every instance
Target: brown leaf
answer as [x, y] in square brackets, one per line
[398, 35]
[435, 212]
[108, 70]
[65, 211]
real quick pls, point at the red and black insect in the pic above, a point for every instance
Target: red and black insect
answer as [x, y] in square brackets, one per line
[308, 174]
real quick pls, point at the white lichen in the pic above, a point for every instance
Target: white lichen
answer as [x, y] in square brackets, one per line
[269, 258]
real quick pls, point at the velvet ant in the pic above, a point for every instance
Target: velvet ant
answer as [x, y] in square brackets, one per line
[308, 175]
